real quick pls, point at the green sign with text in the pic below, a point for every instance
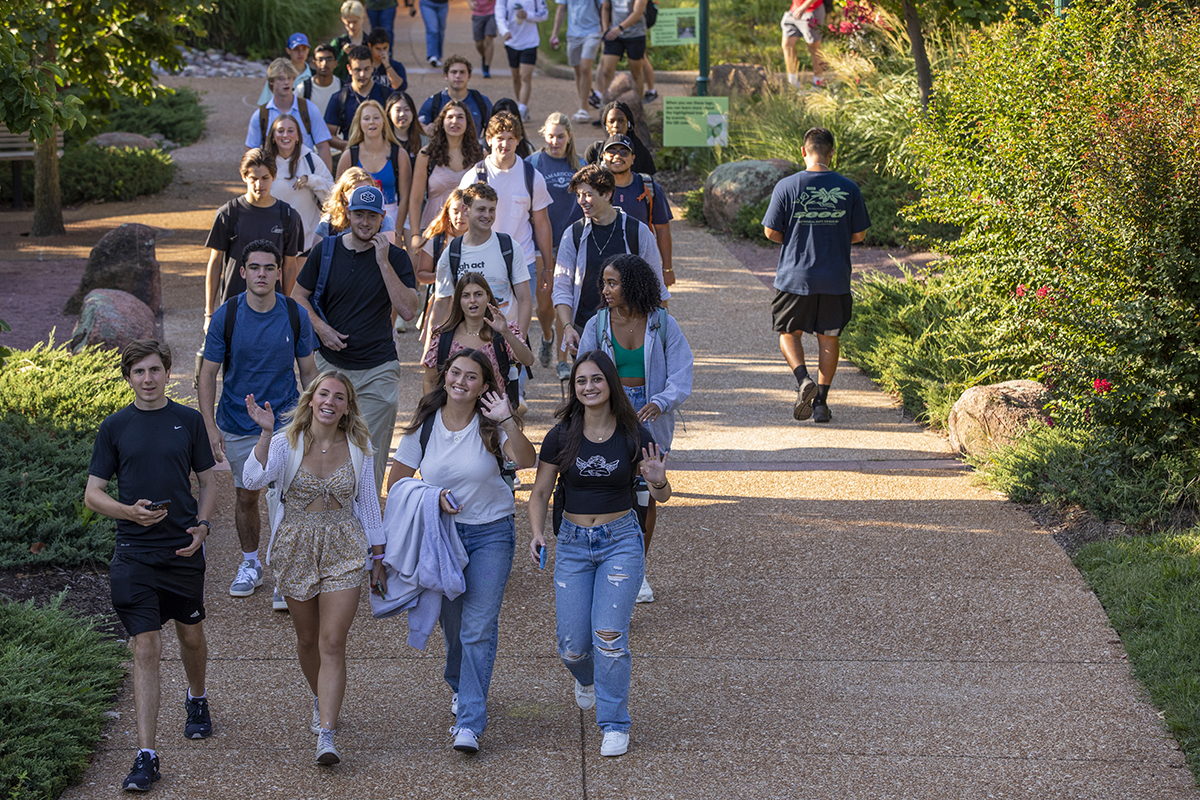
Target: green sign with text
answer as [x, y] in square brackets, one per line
[695, 121]
[675, 26]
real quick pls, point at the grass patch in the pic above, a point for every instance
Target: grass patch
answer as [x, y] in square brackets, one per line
[1150, 587]
[59, 677]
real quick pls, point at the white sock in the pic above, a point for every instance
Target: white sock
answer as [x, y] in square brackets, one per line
[149, 750]
[794, 79]
[522, 108]
[201, 697]
[251, 557]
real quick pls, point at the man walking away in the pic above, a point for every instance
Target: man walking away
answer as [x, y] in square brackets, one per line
[816, 215]
[804, 20]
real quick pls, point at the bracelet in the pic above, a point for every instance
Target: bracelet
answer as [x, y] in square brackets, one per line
[662, 485]
[377, 557]
[668, 269]
[506, 419]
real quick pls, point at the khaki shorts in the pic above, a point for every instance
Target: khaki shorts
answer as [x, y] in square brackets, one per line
[582, 47]
[809, 27]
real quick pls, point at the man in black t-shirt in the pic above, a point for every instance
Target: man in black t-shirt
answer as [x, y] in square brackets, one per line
[152, 446]
[253, 216]
[350, 308]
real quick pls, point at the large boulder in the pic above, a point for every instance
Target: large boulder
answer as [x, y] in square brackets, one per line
[118, 139]
[123, 260]
[623, 90]
[733, 185]
[986, 417]
[731, 80]
[112, 318]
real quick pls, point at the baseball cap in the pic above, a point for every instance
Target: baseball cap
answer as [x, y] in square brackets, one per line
[366, 198]
[297, 39]
[618, 139]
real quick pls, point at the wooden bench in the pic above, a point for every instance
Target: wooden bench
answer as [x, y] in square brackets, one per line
[18, 148]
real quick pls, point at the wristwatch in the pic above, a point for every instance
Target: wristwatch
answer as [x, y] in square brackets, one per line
[206, 524]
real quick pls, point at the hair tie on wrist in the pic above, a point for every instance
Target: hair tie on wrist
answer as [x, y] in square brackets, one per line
[375, 557]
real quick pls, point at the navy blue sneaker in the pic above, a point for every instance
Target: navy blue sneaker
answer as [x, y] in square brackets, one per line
[144, 773]
[199, 724]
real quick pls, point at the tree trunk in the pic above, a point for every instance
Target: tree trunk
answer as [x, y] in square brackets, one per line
[912, 22]
[47, 196]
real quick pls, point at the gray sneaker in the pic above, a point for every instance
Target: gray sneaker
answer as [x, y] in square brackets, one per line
[278, 602]
[315, 726]
[563, 370]
[248, 578]
[545, 351]
[327, 754]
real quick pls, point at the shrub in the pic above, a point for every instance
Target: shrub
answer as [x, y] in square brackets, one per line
[177, 114]
[59, 677]
[260, 28]
[99, 174]
[1065, 150]
[51, 404]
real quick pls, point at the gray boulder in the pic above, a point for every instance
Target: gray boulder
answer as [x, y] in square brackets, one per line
[111, 318]
[987, 417]
[117, 139]
[733, 185]
[124, 260]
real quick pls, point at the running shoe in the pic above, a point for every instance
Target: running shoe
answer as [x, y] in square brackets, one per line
[144, 773]
[327, 754]
[805, 393]
[594, 100]
[615, 743]
[585, 696]
[278, 601]
[465, 740]
[821, 413]
[582, 115]
[650, 96]
[199, 723]
[545, 350]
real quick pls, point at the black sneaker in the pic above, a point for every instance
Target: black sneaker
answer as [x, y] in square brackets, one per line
[804, 399]
[199, 724]
[821, 413]
[144, 773]
[594, 99]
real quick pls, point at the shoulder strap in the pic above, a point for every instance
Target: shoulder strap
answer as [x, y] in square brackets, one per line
[394, 158]
[294, 318]
[429, 167]
[263, 119]
[506, 250]
[529, 177]
[436, 108]
[343, 99]
[577, 233]
[602, 325]
[648, 196]
[312, 167]
[484, 115]
[445, 339]
[354, 155]
[511, 387]
[662, 327]
[481, 175]
[536, 161]
[455, 256]
[230, 318]
[439, 242]
[328, 245]
[304, 118]
[632, 235]
[232, 233]
[426, 431]
[306, 90]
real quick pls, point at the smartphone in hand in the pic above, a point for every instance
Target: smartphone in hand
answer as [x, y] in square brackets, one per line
[450, 501]
[161, 505]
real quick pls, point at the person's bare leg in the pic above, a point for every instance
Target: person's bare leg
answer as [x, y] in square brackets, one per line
[828, 358]
[818, 63]
[608, 68]
[489, 48]
[247, 518]
[337, 614]
[526, 89]
[147, 651]
[635, 69]
[583, 80]
[648, 73]
[791, 59]
[792, 349]
[545, 307]
[516, 82]
[193, 651]
[306, 621]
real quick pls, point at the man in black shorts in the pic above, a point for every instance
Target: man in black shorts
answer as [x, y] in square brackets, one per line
[152, 446]
[624, 26]
[816, 215]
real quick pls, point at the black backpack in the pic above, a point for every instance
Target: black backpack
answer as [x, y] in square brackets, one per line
[231, 306]
[506, 250]
[285, 217]
[632, 236]
[485, 115]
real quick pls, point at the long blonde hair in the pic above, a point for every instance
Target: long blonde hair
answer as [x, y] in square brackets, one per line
[336, 203]
[441, 223]
[356, 131]
[559, 118]
[352, 422]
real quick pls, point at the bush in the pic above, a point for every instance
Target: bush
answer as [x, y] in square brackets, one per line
[1065, 151]
[177, 114]
[51, 405]
[59, 677]
[260, 28]
[98, 174]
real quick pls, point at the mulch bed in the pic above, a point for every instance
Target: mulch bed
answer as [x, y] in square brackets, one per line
[87, 593]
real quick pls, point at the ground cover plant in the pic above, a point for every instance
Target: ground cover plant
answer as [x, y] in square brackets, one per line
[260, 28]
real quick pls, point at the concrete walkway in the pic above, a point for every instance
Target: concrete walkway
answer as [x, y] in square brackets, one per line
[841, 612]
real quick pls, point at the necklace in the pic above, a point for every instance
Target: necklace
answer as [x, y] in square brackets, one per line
[631, 320]
[612, 231]
[599, 438]
[477, 334]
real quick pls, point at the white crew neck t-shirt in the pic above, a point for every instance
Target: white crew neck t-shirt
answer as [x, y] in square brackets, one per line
[487, 259]
[515, 204]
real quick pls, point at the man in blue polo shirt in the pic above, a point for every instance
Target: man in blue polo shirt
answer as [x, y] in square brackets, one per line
[258, 359]
[816, 215]
[281, 76]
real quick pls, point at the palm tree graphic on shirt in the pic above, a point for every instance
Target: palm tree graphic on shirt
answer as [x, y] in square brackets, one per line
[821, 204]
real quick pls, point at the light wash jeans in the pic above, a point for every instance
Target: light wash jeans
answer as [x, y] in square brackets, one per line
[469, 621]
[597, 574]
[434, 16]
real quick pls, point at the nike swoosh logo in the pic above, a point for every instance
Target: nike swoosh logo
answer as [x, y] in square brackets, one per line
[177, 427]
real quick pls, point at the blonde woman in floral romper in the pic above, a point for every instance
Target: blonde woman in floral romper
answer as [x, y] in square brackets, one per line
[319, 541]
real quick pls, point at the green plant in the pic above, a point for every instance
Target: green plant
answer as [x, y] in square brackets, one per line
[177, 114]
[260, 28]
[59, 677]
[98, 174]
[693, 209]
[1150, 587]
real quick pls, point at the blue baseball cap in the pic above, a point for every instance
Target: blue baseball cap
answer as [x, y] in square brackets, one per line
[297, 39]
[366, 198]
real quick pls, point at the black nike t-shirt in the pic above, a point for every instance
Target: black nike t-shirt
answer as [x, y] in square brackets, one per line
[600, 481]
[278, 223]
[153, 455]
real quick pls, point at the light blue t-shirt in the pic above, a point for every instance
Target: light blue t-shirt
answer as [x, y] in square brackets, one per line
[262, 354]
[583, 18]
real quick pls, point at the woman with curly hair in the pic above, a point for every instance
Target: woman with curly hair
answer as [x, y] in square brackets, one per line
[459, 438]
[336, 219]
[328, 516]
[452, 150]
[373, 146]
[653, 359]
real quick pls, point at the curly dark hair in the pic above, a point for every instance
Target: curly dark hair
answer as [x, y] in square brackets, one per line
[439, 146]
[639, 284]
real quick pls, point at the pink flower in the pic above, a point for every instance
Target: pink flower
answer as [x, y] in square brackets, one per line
[1101, 386]
[1020, 290]
[1043, 291]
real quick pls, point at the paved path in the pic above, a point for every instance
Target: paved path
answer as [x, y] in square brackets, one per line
[841, 612]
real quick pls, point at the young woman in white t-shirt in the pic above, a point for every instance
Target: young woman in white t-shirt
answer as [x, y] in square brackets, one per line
[473, 431]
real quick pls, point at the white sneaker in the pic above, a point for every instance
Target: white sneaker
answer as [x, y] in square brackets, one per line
[248, 578]
[278, 602]
[315, 726]
[401, 324]
[582, 115]
[585, 696]
[454, 704]
[615, 744]
[645, 594]
[327, 754]
[465, 740]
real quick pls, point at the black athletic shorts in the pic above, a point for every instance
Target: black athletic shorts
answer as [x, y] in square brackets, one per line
[634, 48]
[826, 314]
[518, 57]
[150, 588]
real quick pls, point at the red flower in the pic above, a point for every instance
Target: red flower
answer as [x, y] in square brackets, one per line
[1101, 386]
[1020, 290]
[1043, 291]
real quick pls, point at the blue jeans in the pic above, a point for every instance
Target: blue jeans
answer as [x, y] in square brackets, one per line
[469, 621]
[636, 395]
[434, 16]
[597, 574]
[383, 18]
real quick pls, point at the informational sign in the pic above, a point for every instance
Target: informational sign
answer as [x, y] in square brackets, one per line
[675, 26]
[695, 121]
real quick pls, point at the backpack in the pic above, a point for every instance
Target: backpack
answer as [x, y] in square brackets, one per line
[512, 386]
[285, 216]
[328, 245]
[506, 250]
[485, 115]
[231, 305]
[306, 88]
[631, 233]
[264, 116]
[648, 196]
[636, 490]
[393, 159]
[651, 15]
[506, 472]
[660, 325]
[481, 176]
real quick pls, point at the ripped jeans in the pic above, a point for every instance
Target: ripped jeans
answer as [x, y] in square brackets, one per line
[597, 574]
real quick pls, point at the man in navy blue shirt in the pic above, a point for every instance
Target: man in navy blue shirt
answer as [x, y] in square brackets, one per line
[361, 87]
[258, 360]
[816, 215]
[640, 197]
[457, 71]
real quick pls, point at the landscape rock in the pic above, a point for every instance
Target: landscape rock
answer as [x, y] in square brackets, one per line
[733, 185]
[728, 80]
[119, 139]
[987, 417]
[112, 318]
[123, 259]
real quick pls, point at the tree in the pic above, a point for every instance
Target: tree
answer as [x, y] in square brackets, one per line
[106, 49]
